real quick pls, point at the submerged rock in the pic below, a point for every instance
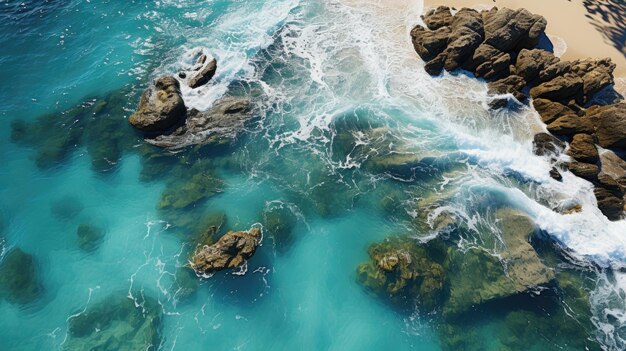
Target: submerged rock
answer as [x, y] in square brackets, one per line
[509, 85]
[185, 192]
[279, 223]
[89, 237]
[161, 107]
[66, 207]
[230, 251]
[117, 323]
[19, 279]
[220, 125]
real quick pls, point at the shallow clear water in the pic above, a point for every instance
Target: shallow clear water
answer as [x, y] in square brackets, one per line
[320, 72]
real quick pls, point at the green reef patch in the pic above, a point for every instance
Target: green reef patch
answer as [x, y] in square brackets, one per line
[19, 277]
[116, 323]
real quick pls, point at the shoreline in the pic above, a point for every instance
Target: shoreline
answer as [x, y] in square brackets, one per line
[567, 20]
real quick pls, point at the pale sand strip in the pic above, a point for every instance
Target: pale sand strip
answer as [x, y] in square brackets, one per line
[566, 19]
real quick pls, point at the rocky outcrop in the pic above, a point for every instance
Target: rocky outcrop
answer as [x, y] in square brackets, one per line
[499, 45]
[221, 124]
[161, 107]
[545, 144]
[230, 251]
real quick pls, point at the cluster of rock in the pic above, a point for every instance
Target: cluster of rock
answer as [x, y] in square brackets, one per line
[163, 116]
[499, 45]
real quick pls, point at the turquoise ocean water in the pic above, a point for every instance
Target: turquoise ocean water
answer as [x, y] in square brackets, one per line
[320, 74]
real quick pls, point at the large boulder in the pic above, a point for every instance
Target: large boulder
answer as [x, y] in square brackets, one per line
[595, 73]
[531, 62]
[583, 149]
[610, 122]
[586, 171]
[570, 125]
[230, 251]
[613, 166]
[429, 44]
[219, 125]
[549, 111]
[437, 18]
[609, 203]
[489, 63]
[561, 88]
[161, 107]
[507, 29]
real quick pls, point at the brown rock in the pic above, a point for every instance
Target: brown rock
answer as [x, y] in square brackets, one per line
[506, 29]
[429, 44]
[545, 144]
[435, 66]
[610, 124]
[583, 149]
[552, 71]
[531, 62]
[550, 111]
[511, 84]
[571, 125]
[610, 205]
[584, 170]
[595, 73]
[437, 18]
[562, 88]
[204, 75]
[490, 63]
[613, 166]
[161, 107]
[230, 251]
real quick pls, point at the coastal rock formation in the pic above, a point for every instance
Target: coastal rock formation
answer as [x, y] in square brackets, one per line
[230, 251]
[161, 107]
[117, 323]
[499, 45]
[221, 124]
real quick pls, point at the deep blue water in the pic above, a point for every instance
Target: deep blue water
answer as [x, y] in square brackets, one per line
[318, 71]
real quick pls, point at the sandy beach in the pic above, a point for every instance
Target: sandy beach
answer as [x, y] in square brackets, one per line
[585, 34]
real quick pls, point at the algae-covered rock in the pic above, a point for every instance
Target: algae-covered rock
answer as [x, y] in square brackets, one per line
[403, 272]
[89, 237]
[230, 251]
[189, 191]
[117, 323]
[19, 280]
[279, 223]
[186, 283]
